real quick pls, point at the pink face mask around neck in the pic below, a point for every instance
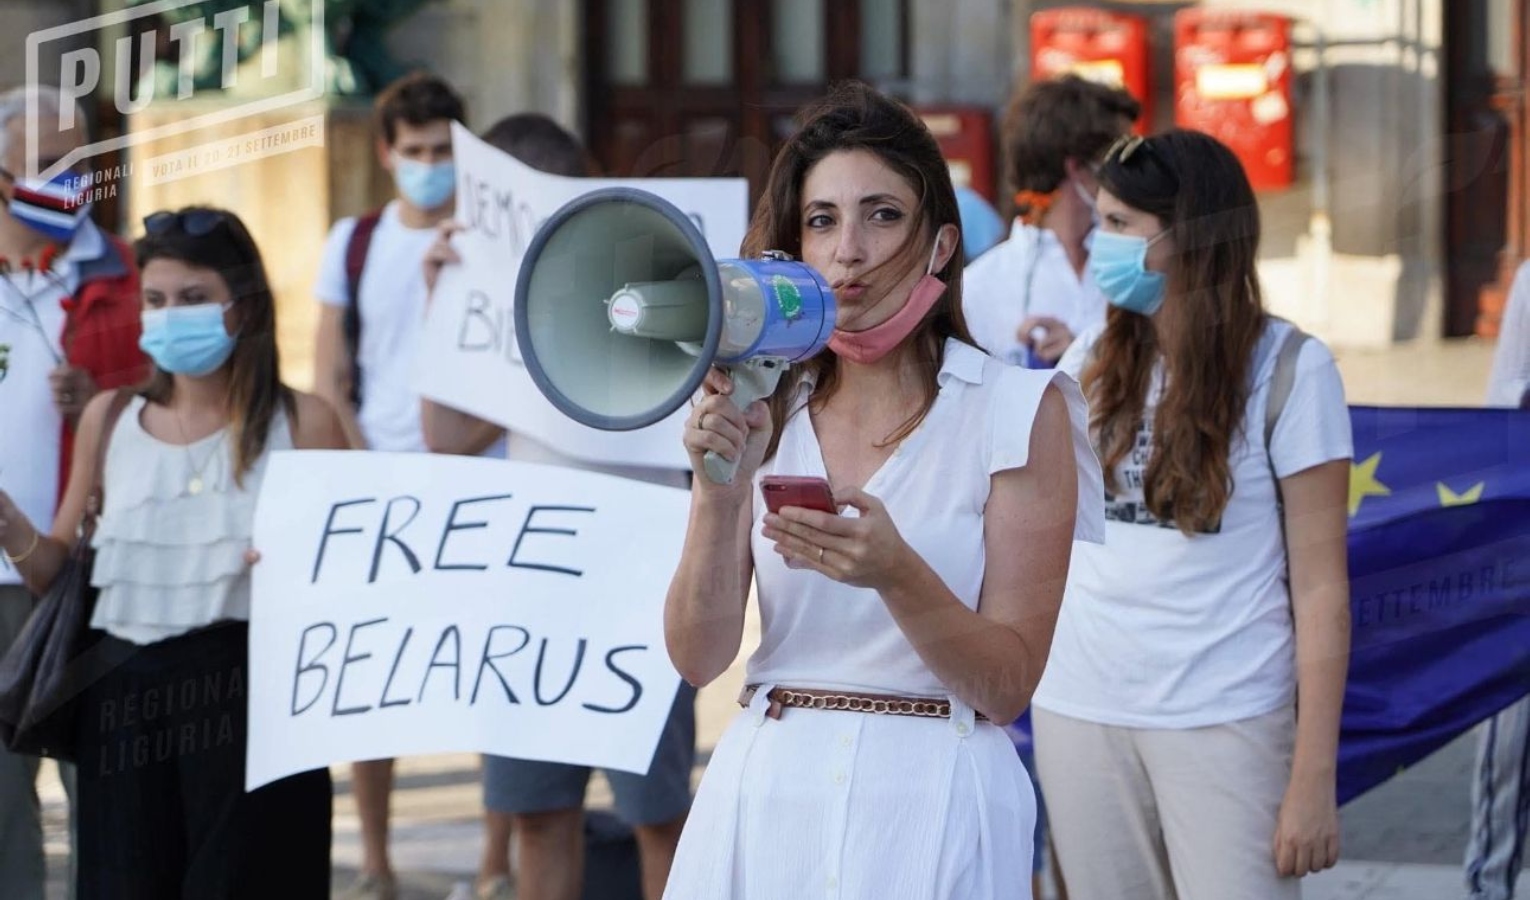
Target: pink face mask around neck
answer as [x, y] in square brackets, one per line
[868, 346]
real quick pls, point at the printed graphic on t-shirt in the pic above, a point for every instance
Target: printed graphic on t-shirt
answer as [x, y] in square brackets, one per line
[1129, 506]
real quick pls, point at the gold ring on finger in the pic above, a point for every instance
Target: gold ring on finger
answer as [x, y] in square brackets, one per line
[820, 554]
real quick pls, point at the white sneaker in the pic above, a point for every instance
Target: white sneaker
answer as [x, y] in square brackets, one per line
[372, 886]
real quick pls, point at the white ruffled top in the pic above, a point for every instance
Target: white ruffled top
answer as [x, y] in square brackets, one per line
[169, 561]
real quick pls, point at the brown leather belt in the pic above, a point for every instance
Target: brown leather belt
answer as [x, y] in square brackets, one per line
[881, 704]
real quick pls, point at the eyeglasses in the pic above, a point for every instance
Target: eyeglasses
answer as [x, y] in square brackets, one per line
[195, 222]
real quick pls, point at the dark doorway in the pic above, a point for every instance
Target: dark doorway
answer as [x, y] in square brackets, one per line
[1486, 107]
[706, 88]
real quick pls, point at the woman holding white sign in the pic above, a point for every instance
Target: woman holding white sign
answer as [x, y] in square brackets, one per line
[896, 636]
[162, 806]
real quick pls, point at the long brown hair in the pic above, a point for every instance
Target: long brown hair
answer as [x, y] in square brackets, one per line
[1215, 310]
[255, 389]
[856, 117]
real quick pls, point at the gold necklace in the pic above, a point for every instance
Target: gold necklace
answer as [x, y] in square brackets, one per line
[194, 484]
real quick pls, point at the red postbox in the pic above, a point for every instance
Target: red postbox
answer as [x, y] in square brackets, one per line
[1111, 48]
[1232, 80]
[965, 136]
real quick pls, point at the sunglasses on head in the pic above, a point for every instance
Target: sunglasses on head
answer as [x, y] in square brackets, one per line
[196, 222]
[1126, 147]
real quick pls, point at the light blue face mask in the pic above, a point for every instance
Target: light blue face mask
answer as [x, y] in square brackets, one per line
[187, 340]
[426, 185]
[1118, 263]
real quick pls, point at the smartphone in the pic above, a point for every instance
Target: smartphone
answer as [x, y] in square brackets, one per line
[796, 490]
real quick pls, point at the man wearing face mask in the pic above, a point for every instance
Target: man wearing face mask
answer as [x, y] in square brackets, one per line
[373, 296]
[370, 286]
[68, 328]
[1027, 298]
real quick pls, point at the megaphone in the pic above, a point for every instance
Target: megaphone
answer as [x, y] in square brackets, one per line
[620, 309]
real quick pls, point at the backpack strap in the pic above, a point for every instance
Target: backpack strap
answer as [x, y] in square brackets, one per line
[355, 261]
[1281, 382]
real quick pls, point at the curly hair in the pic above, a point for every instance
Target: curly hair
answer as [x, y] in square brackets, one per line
[1056, 120]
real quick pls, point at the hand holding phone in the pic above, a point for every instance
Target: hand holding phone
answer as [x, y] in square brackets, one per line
[797, 490]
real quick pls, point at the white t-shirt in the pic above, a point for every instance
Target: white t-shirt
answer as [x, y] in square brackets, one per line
[1160, 630]
[392, 300]
[819, 633]
[1027, 275]
[1511, 361]
[31, 327]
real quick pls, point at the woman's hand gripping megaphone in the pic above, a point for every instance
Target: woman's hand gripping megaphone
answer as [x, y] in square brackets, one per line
[725, 442]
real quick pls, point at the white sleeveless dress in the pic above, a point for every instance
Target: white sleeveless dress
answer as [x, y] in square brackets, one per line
[169, 561]
[842, 804]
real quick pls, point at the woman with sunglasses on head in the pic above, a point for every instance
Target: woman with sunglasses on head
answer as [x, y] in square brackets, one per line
[1187, 725]
[162, 807]
[897, 636]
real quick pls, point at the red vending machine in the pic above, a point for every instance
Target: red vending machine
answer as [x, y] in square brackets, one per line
[1232, 80]
[1108, 47]
[965, 136]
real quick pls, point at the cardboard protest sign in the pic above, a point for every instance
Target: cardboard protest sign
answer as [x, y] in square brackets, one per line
[414, 603]
[468, 358]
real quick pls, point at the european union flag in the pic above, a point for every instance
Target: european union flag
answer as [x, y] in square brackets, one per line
[1439, 566]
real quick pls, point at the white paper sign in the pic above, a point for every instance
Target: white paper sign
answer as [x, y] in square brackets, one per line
[412, 603]
[468, 357]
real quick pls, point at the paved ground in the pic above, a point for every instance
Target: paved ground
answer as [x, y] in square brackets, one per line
[1403, 841]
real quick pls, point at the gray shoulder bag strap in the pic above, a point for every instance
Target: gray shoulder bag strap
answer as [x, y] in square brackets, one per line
[1281, 382]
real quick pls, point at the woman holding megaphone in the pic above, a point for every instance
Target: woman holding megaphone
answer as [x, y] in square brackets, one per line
[900, 633]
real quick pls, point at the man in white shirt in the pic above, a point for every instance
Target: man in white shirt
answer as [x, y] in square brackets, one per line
[373, 305]
[69, 327]
[1027, 298]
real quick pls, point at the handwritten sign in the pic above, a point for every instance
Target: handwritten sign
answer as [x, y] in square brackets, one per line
[469, 359]
[410, 604]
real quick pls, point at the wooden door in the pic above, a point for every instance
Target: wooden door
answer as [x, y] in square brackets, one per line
[1486, 202]
[709, 87]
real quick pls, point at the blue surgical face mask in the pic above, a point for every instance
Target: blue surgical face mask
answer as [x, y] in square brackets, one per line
[426, 185]
[1118, 263]
[187, 340]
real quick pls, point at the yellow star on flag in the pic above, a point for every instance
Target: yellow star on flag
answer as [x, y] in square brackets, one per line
[1363, 483]
[1449, 497]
